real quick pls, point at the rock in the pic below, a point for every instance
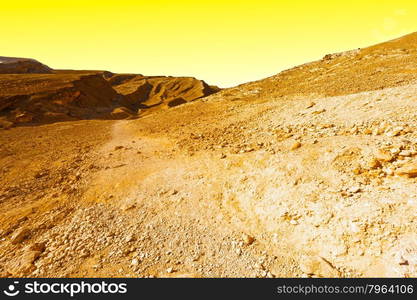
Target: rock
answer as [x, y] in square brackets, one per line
[384, 155]
[388, 171]
[354, 189]
[402, 261]
[311, 104]
[395, 131]
[122, 113]
[405, 153]
[20, 235]
[367, 131]
[378, 131]
[24, 263]
[135, 262]
[130, 238]
[357, 170]
[295, 146]
[23, 118]
[409, 170]
[317, 112]
[316, 265]
[247, 239]
[85, 253]
[374, 163]
[128, 206]
[395, 151]
[293, 222]
[38, 247]
[170, 270]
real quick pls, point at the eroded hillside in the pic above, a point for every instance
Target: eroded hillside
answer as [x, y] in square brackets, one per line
[36, 94]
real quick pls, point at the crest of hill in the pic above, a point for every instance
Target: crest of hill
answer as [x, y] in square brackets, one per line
[384, 65]
[16, 65]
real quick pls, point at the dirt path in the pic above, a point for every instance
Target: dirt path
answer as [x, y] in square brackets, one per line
[179, 224]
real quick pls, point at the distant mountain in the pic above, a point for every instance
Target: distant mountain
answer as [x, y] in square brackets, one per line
[15, 65]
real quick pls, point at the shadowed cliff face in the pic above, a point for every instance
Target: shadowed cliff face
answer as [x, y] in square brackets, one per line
[31, 93]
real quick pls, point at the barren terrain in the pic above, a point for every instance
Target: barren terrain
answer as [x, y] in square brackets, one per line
[310, 173]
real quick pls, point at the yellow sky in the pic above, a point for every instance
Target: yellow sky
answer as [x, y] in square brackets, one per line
[223, 42]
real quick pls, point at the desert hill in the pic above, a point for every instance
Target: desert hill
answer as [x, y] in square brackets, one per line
[311, 172]
[150, 92]
[37, 94]
[385, 65]
[15, 65]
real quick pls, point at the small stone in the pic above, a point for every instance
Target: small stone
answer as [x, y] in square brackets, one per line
[38, 247]
[170, 270]
[357, 170]
[128, 206]
[409, 170]
[129, 238]
[316, 265]
[85, 253]
[354, 189]
[378, 131]
[317, 112]
[24, 263]
[367, 131]
[405, 153]
[384, 155]
[402, 261]
[388, 171]
[395, 131]
[295, 146]
[311, 104]
[20, 235]
[293, 222]
[374, 163]
[247, 239]
[135, 262]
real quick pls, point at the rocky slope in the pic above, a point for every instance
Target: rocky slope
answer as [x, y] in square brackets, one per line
[153, 93]
[62, 95]
[311, 172]
[28, 98]
[15, 65]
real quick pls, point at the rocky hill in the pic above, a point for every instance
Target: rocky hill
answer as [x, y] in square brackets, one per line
[15, 65]
[156, 92]
[29, 97]
[309, 173]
